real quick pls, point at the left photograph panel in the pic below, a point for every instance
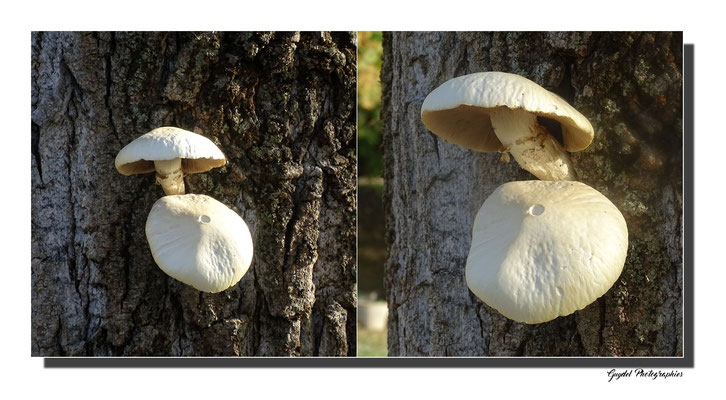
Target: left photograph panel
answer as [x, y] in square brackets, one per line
[193, 194]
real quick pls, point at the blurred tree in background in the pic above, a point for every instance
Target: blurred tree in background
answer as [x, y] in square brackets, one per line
[370, 50]
[371, 243]
[371, 235]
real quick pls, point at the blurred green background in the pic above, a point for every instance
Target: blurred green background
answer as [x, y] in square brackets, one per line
[370, 50]
[371, 233]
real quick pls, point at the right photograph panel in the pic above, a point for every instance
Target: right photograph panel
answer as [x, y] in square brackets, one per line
[531, 193]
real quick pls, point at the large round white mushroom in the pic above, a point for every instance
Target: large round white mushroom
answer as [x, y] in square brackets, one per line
[199, 241]
[497, 111]
[172, 153]
[543, 249]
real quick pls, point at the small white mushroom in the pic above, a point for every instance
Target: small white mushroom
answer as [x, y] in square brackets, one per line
[542, 249]
[497, 111]
[172, 153]
[197, 240]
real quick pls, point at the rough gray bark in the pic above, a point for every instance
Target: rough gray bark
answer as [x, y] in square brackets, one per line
[281, 106]
[629, 86]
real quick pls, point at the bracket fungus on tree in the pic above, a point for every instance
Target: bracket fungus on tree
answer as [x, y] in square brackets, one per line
[497, 111]
[543, 249]
[199, 241]
[172, 153]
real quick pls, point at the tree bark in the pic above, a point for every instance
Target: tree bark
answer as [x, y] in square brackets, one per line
[281, 106]
[629, 86]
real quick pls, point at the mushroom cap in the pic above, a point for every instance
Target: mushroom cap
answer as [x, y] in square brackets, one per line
[198, 153]
[199, 241]
[458, 110]
[541, 249]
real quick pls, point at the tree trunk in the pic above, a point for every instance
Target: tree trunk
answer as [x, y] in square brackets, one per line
[281, 106]
[629, 86]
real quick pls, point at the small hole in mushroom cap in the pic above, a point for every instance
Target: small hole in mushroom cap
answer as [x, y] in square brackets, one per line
[559, 291]
[204, 219]
[536, 209]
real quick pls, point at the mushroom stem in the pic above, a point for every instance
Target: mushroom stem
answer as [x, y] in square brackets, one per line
[170, 176]
[531, 145]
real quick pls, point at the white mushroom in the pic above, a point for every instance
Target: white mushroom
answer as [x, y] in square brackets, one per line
[497, 111]
[172, 153]
[199, 241]
[541, 249]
